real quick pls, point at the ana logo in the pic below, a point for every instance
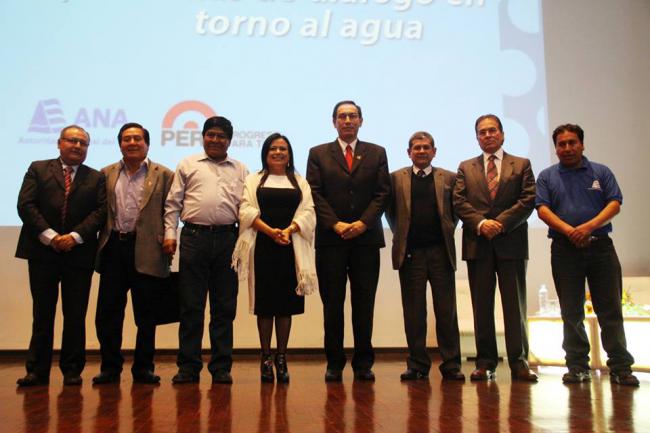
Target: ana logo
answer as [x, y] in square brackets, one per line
[187, 115]
[48, 117]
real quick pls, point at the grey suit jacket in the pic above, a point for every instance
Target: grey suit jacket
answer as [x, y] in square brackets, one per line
[513, 204]
[149, 257]
[398, 212]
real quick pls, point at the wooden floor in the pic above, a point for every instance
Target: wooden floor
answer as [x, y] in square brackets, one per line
[308, 404]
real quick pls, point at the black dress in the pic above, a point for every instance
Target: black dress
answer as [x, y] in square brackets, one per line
[275, 269]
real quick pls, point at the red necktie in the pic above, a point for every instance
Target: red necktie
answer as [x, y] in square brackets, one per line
[348, 156]
[492, 177]
[67, 176]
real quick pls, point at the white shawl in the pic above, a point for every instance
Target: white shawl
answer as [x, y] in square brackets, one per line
[243, 256]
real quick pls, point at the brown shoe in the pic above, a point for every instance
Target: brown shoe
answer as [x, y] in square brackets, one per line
[524, 375]
[483, 373]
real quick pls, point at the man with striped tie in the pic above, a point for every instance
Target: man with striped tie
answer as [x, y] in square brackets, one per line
[494, 195]
[62, 206]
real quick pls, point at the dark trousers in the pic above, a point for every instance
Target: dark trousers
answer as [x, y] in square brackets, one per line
[421, 265]
[205, 258]
[118, 275]
[44, 279]
[335, 264]
[483, 275]
[599, 265]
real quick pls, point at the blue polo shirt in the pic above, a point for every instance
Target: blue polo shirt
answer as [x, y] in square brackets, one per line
[577, 195]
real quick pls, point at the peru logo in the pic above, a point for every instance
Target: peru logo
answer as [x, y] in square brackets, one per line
[48, 117]
[182, 123]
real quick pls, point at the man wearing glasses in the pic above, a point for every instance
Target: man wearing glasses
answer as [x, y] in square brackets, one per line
[494, 195]
[205, 194]
[62, 206]
[351, 186]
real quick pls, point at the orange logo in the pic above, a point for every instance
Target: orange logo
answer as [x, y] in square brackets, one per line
[189, 133]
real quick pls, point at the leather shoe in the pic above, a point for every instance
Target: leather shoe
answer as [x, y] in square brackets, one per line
[72, 379]
[106, 377]
[222, 376]
[185, 377]
[146, 377]
[333, 375]
[453, 375]
[623, 378]
[413, 374]
[576, 375]
[364, 374]
[483, 373]
[524, 375]
[32, 379]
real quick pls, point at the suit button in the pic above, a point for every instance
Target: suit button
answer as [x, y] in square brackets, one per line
[351, 192]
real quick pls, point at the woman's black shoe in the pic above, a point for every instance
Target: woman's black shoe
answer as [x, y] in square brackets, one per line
[266, 368]
[281, 368]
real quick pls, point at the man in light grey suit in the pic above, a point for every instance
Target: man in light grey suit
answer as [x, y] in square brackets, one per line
[494, 195]
[420, 214]
[130, 254]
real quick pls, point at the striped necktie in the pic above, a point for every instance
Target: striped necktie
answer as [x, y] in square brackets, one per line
[492, 177]
[67, 176]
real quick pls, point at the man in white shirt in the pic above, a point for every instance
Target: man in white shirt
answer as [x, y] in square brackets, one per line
[205, 194]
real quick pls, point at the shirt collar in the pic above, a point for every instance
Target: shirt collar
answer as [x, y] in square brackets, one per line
[73, 167]
[427, 170]
[343, 144]
[498, 154]
[144, 163]
[205, 156]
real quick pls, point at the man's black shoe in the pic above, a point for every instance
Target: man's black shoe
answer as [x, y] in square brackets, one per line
[222, 376]
[72, 379]
[146, 377]
[364, 374]
[576, 375]
[183, 377]
[333, 375]
[413, 374]
[453, 375]
[624, 377]
[32, 379]
[106, 377]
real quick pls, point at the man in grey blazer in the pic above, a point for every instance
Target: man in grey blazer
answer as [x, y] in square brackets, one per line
[420, 214]
[494, 195]
[130, 254]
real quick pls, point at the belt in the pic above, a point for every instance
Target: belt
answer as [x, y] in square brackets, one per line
[123, 236]
[214, 229]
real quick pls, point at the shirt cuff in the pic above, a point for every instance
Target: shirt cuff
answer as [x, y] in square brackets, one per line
[478, 227]
[46, 236]
[77, 237]
[170, 234]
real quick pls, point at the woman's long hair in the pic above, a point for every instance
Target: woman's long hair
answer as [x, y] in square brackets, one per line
[290, 171]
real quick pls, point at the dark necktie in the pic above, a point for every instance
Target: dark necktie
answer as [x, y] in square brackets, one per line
[67, 176]
[348, 156]
[492, 177]
[421, 173]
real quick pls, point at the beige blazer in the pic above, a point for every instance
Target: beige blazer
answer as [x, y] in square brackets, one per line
[398, 212]
[149, 257]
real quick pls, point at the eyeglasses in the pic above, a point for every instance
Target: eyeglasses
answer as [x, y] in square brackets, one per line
[487, 131]
[344, 116]
[75, 141]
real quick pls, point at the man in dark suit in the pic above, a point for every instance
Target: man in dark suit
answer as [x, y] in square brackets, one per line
[420, 214]
[130, 254]
[350, 185]
[62, 206]
[494, 196]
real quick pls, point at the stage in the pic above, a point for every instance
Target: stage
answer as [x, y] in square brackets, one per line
[308, 404]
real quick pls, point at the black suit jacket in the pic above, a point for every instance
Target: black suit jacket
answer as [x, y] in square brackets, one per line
[39, 206]
[347, 195]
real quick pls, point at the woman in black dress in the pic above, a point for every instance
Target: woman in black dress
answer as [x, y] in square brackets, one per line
[274, 253]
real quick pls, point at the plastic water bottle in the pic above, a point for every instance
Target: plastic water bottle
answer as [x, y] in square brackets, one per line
[542, 297]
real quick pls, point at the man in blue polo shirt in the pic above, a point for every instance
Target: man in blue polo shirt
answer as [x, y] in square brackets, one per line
[577, 199]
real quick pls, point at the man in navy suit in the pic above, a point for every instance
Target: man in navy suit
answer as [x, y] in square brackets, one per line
[62, 206]
[350, 186]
